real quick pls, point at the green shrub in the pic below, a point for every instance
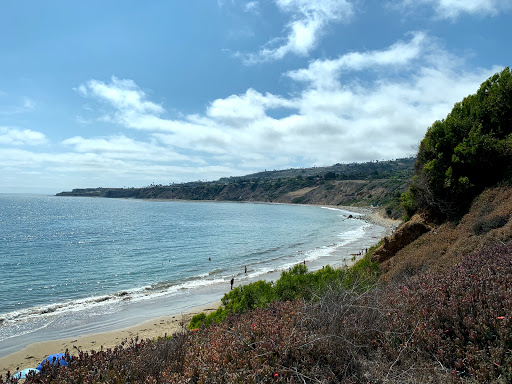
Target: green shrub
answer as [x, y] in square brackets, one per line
[295, 284]
[249, 296]
[364, 273]
[298, 283]
[197, 320]
[464, 153]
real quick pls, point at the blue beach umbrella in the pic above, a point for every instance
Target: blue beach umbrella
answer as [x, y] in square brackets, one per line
[24, 373]
[56, 358]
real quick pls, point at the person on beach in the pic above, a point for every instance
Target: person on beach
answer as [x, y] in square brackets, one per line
[232, 281]
[246, 269]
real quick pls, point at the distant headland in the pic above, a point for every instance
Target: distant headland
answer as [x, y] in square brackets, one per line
[377, 183]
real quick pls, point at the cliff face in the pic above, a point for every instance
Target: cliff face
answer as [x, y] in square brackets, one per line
[335, 192]
[401, 238]
[409, 251]
[373, 183]
[332, 192]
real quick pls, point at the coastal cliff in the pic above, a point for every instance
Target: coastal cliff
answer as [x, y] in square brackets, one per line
[365, 184]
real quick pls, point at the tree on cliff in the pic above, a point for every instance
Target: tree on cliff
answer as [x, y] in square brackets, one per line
[464, 153]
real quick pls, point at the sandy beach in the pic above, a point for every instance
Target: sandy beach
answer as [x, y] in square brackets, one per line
[33, 354]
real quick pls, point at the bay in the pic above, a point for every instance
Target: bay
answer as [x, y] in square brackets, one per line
[74, 265]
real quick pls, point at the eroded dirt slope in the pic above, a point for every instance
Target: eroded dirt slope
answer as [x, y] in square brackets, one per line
[488, 221]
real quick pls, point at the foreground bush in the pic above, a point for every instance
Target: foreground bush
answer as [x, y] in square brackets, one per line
[295, 284]
[136, 361]
[335, 339]
[462, 319]
[327, 341]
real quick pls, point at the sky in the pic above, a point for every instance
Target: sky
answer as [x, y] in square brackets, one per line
[125, 93]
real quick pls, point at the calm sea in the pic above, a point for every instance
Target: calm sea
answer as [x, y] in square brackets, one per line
[72, 265]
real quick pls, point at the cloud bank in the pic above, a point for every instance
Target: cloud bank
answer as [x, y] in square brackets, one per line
[335, 117]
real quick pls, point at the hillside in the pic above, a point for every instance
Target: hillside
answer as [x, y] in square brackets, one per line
[442, 246]
[373, 183]
[460, 194]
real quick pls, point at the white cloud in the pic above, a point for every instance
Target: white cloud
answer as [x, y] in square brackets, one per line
[221, 3]
[131, 105]
[348, 120]
[308, 20]
[451, 9]
[123, 94]
[28, 104]
[381, 121]
[252, 7]
[22, 169]
[334, 118]
[82, 120]
[16, 136]
[237, 110]
[122, 147]
[325, 73]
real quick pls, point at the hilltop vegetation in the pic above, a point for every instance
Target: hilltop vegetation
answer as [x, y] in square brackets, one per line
[464, 153]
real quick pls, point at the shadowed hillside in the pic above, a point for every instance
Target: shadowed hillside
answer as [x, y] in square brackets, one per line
[442, 246]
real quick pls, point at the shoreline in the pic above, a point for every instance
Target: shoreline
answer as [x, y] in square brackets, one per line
[32, 354]
[372, 215]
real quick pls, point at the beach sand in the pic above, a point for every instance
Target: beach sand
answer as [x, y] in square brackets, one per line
[33, 354]
[376, 216]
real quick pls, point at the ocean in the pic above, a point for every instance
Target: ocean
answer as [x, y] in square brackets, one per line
[70, 266]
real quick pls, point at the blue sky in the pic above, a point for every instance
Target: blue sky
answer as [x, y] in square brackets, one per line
[129, 93]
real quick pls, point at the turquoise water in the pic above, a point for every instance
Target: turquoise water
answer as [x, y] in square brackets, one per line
[70, 264]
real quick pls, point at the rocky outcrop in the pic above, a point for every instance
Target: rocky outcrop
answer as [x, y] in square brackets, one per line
[401, 238]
